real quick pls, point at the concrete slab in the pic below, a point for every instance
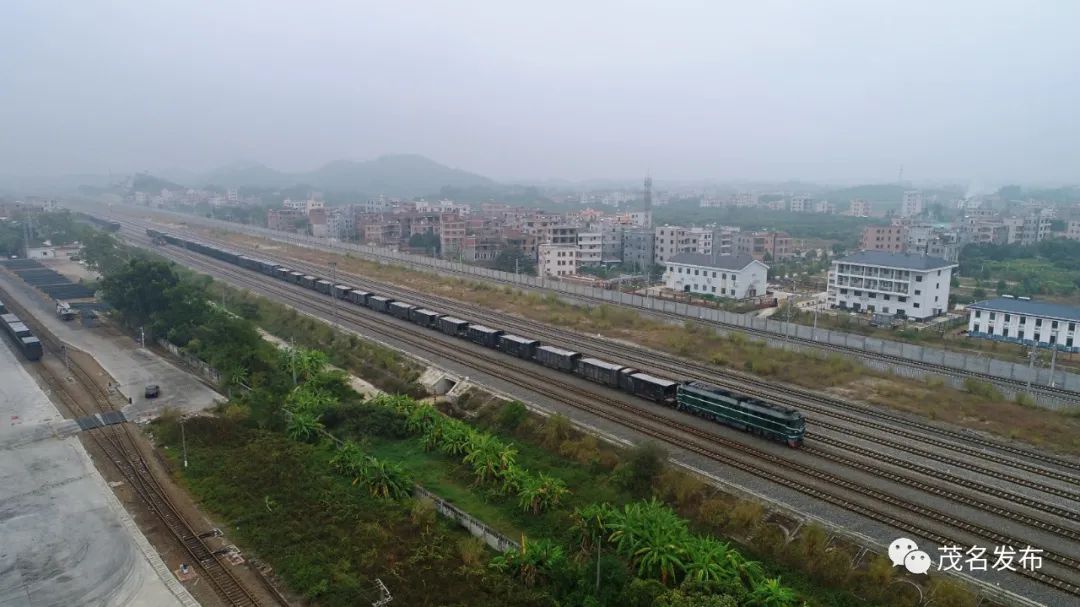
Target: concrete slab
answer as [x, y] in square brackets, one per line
[131, 366]
[66, 539]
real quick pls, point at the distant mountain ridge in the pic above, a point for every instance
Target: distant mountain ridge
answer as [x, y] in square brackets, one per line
[405, 175]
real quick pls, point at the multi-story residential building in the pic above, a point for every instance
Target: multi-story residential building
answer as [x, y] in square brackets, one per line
[984, 231]
[611, 240]
[639, 249]
[859, 208]
[912, 203]
[443, 206]
[381, 232]
[557, 259]
[1072, 230]
[1031, 228]
[317, 219]
[513, 239]
[824, 206]
[590, 248]
[734, 276]
[724, 240]
[480, 249]
[802, 204]
[1020, 320]
[904, 285]
[561, 234]
[744, 199]
[775, 245]
[451, 235]
[672, 240]
[304, 205]
[340, 223]
[284, 220]
[884, 238]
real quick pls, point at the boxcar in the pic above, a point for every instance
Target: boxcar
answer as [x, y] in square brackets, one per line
[401, 309]
[307, 280]
[31, 348]
[425, 317]
[359, 297]
[322, 286]
[485, 336]
[296, 277]
[453, 326]
[342, 291]
[557, 358]
[282, 272]
[654, 388]
[775, 422]
[3, 308]
[599, 371]
[379, 303]
[518, 346]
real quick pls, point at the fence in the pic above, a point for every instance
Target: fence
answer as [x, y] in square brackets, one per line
[192, 362]
[778, 333]
[474, 525]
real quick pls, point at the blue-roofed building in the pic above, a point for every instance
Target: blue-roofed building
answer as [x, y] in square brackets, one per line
[1021, 320]
[899, 284]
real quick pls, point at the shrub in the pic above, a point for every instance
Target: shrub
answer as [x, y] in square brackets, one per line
[640, 467]
[511, 415]
[982, 389]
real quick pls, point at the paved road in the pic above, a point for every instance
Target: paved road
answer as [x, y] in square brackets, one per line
[65, 539]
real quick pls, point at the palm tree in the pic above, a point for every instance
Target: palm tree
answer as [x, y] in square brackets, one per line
[349, 460]
[533, 562]
[456, 438]
[310, 400]
[659, 552]
[652, 536]
[488, 456]
[421, 418]
[771, 593]
[303, 426]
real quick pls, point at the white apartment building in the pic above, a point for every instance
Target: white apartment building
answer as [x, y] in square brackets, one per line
[590, 248]
[1072, 232]
[824, 206]
[557, 259]
[802, 204]
[304, 205]
[340, 223]
[732, 276]
[1020, 320]
[912, 203]
[882, 282]
[672, 240]
[859, 208]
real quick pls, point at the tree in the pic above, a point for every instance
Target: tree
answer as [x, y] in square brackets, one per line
[140, 290]
[538, 493]
[1001, 287]
[303, 426]
[641, 466]
[771, 593]
[488, 456]
[385, 479]
[515, 260]
[536, 561]
[427, 241]
[708, 560]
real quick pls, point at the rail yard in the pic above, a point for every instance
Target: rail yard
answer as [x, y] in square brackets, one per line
[944, 485]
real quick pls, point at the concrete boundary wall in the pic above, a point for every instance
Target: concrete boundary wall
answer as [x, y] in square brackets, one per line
[475, 526]
[960, 361]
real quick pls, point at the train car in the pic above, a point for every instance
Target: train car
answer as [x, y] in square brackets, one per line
[269, 268]
[31, 348]
[323, 286]
[342, 291]
[557, 358]
[295, 277]
[425, 318]
[516, 345]
[379, 303]
[3, 308]
[359, 297]
[282, 273]
[599, 371]
[769, 420]
[401, 309]
[308, 281]
[653, 388]
[453, 326]
[485, 336]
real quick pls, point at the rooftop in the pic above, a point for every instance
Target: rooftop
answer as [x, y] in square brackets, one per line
[720, 262]
[1028, 307]
[906, 261]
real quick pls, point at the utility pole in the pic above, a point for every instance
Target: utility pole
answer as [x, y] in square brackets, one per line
[333, 284]
[1053, 358]
[142, 337]
[183, 440]
[292, 359]
[1031, 364]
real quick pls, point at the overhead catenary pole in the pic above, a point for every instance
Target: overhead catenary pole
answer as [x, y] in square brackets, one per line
[1053, 357]
[333, 284]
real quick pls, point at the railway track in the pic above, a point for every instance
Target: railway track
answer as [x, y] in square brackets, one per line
[795, 397]
[120, 447]
[750, 459]
[1019, 385]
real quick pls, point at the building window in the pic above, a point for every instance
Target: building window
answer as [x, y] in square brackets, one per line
[856, 293]
[714, 289]
[1053, 325]
[1053, 339]
[916, 304]
[1008, 317]
[1038, 337]
[1072, 326]
[843, 291]
[1069, 342]
[886, 298]
[902, 299]
[918, 279]
[976, 328]
[1023, 320]
[918, 292]
[714, 274]
[1038, 321]
[993, 315]
[936, 298]
[872, 295]
[978, 314]
[885, 310]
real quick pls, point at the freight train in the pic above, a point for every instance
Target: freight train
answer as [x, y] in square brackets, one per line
[104, 224]
[20, 334]
[769, 420]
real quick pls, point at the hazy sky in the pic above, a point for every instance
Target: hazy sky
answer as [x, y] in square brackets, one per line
[826, 89]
